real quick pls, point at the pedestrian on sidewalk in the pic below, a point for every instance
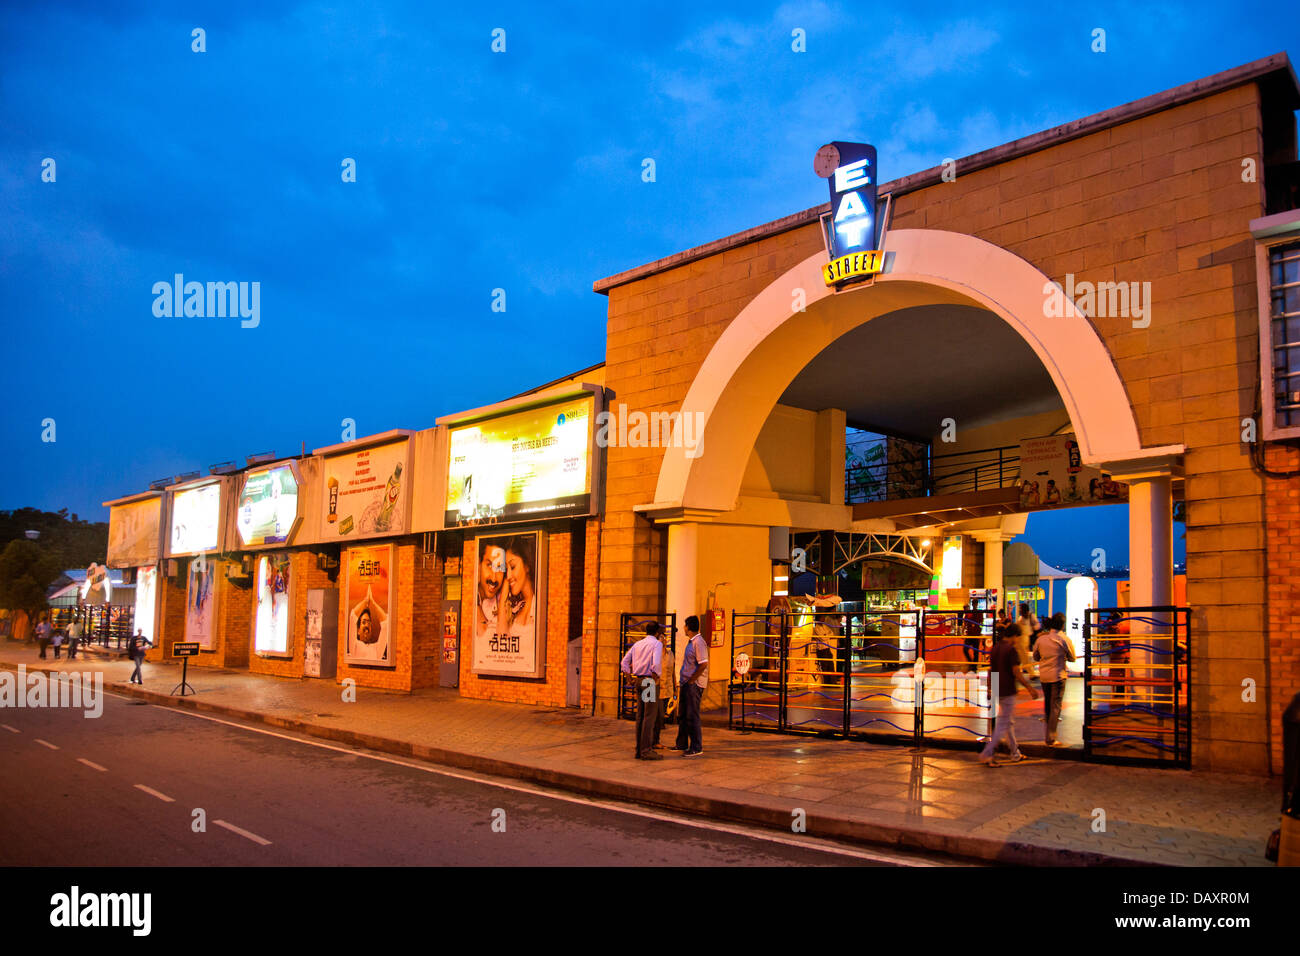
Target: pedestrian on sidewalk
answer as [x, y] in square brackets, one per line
[695, 678]
[1052, 651]
[1027, 621]
[643, 663]
[56, 640]
[135, 648]
[667, 685]
[75, 632]
[1004, 665]
[43, 635]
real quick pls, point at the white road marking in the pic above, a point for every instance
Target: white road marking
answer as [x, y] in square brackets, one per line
[243, 833]
[806, 844]
[46, 743]
[12, 730]
[92, 765]
[154, 793]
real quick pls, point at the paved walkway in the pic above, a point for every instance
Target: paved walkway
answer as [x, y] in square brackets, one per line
[1041, 811]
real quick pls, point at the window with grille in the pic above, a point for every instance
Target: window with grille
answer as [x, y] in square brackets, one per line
[1284, 289]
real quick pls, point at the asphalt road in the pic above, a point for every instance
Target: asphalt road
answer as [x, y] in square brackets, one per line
[123, 790]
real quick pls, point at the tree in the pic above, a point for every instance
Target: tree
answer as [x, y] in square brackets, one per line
[26, 570]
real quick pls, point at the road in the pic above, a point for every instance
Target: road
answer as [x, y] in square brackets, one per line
[128, 788]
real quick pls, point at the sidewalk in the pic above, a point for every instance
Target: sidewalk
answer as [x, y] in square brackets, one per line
[1037, 812]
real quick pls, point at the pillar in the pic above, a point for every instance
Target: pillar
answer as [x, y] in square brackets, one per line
[683, 551]
[1151, 567]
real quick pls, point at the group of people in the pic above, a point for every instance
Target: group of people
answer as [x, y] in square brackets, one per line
[47, 636]
[660, 689]
[1012, 663]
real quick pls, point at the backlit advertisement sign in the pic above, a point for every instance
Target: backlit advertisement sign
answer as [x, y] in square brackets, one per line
[201, 602]
[271, 620]
[364, 492]
[133, 533]
[850, 171]
[196, 519]
[146, 599]
[522, 464]
[368, 591]
[268, 506]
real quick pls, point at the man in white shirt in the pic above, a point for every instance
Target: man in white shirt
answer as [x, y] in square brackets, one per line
[1052, 650]
[644, 663]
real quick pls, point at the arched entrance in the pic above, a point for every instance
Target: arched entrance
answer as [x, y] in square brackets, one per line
[796, 319]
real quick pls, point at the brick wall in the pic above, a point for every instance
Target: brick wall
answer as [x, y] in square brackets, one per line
[171, 621]
[1282, 531]
[1159, 199]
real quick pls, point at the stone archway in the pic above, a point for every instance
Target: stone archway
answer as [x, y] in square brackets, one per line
[768, 344]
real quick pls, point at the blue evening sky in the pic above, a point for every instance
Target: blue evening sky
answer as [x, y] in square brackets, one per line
[475, 171]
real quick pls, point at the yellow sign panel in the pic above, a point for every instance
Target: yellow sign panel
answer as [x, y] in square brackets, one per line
[855, 265]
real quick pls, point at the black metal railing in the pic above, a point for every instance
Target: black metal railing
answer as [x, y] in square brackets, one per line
[1136, 687]
[855, 672]
[882, 469]
[631, 628]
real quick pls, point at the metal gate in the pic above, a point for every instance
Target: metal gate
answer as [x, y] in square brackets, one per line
[1136, 667]
[631, 628]
[906, 675]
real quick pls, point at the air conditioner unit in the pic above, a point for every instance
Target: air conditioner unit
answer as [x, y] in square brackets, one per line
[326, 562]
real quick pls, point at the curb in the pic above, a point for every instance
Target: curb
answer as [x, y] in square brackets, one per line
[845, 829]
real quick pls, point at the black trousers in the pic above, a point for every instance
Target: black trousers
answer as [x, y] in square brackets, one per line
[647, 714]
[690, 733]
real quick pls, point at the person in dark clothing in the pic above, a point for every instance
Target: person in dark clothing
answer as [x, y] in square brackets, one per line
[135, 649]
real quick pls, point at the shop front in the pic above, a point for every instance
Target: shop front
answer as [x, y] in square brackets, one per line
[523, 504]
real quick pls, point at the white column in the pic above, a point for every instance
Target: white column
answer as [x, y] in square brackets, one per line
[993, 566]
[1151, 565]
[683, 549]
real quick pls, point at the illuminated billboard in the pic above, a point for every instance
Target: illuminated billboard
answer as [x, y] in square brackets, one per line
[522, 464]
[271, 613]
[268, 506]
[196, 519]
[133, 532]
[364, 492]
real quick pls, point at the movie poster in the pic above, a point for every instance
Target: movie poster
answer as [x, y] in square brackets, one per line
[271, 612]
[1052, 475]
[509, 629]
[368, 596]
[201, 603]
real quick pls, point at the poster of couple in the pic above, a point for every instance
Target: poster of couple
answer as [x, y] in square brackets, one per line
[509, 611]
